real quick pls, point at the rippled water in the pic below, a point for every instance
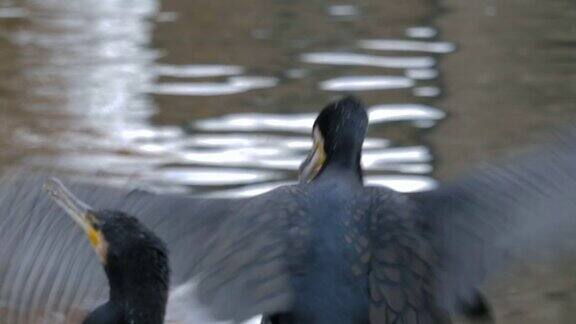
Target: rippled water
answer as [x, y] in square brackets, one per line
[104, 89]
[217, 97]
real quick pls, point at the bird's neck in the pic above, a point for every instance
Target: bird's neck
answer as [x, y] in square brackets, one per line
[345, 165]
[146, 305]
[139, 296]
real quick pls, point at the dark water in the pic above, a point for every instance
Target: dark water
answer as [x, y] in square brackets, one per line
[219, 96]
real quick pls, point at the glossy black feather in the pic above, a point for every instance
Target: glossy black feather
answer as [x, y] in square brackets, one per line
[137, 270]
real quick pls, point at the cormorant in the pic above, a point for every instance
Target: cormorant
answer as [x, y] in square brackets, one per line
[134, 259]
[326, 250]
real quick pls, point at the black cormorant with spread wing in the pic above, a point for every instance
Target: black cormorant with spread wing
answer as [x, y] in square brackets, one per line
[326, 250]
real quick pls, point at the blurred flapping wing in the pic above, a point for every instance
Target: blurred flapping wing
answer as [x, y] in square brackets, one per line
[525, 205]
[231, 249]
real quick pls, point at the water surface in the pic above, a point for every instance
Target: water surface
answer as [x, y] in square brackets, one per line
[196, 97]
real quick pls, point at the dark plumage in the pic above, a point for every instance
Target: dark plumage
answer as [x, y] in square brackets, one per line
[327, 250]
[343, 127]
[134, 259]
[339, 129]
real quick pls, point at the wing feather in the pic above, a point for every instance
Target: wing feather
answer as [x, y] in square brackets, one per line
[48, 270]
[402, 271]
[522, 206]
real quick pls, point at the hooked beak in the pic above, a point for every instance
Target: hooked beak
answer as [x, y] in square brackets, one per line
[315, 160]
[79, 211]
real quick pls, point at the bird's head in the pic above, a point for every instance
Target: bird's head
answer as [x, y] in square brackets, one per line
[124, 246]
[338, 134]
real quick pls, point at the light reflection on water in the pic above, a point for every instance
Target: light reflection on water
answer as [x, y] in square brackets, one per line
[303, 122]
[233, 85]
[91, 78]
[422, 74]
[405, 45]
[342, 10]
[363, 83]
[369, 60]
[421, 32]
[198, 70]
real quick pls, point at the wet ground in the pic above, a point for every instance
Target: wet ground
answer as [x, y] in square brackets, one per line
[218, 97]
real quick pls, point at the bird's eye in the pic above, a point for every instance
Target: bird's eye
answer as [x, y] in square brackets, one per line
[94, 221]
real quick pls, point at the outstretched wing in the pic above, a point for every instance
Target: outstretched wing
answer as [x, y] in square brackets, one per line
[231, 250]
[401, 273]
[524, 205]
